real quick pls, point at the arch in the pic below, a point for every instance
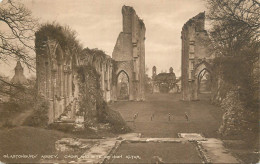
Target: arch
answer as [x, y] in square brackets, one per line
[199, 68]
[202, 65]
[123, 72]
[123, 85]
[199, 78]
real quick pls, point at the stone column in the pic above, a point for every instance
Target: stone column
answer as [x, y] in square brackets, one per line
[65, 85]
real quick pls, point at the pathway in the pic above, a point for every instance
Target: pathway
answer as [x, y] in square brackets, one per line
[20, 118]
[210, 150]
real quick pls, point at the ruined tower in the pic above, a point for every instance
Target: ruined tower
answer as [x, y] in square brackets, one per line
[129, 55]
[19, 77]
[171, 70]
[196, 56]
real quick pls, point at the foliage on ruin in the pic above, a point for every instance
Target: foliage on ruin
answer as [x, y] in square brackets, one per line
[114, 72]
[64, 35]
[92, 104]
[97, 53]
[89, 91]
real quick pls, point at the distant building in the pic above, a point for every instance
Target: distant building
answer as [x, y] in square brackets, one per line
[19, 77]
[164, 82]
[17, 80]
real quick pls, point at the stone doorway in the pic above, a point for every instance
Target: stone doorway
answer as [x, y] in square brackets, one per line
[123, 86]
[204, 81]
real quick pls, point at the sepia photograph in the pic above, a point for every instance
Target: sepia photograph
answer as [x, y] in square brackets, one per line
[129, 81]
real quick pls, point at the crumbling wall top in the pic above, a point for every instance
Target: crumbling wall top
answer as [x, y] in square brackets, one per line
[198, 21]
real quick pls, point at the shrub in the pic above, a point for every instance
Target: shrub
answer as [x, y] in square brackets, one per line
[8, 111]
[8, 124]
[107, 115]
[67, 128]
[237, 119]
[39, 117]
[11, 107]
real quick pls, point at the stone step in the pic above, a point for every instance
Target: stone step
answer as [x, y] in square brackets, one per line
[215, 152]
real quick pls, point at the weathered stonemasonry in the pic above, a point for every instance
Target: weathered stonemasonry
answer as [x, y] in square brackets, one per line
[103, 65]
[71, 79]
[129, 55]
[56, 79]
[196, 56]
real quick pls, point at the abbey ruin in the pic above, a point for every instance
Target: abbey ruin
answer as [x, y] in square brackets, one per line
[196, 56]
[59, 68]
[129, 56]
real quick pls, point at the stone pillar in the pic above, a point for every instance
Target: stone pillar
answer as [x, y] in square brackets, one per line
[195, 89]
[52, 108]
[70, 78]
[49, 85]
[131, 89]
[65, 86]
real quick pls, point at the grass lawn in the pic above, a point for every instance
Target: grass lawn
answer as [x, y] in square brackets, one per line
[34, 141]
[7, 111]
[28, 140]
[169, 152]
[204, 117]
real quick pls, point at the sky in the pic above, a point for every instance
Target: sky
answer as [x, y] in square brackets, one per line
[99, 22]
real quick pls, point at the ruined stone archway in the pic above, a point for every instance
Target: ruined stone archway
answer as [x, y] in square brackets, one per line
[129, 53]
[204, 81]
[123, 86]
[198, 70]
[196, 55]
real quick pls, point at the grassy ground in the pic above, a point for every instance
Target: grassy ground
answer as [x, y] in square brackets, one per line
[246, 151]
[168, 152]
[204, 117]
[34, 141]
[27, 140]
[8, 111]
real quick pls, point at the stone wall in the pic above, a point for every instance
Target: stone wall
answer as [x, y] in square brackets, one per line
[103, 65]
[129, 53]
[55, 70]
[196, 55]
[59, 58]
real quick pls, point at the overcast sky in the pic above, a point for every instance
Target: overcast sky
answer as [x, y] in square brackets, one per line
[99, 22]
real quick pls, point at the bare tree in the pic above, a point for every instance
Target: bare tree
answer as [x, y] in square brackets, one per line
[235, 36]
[235, 25]
[17, 32]
[16, 36]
